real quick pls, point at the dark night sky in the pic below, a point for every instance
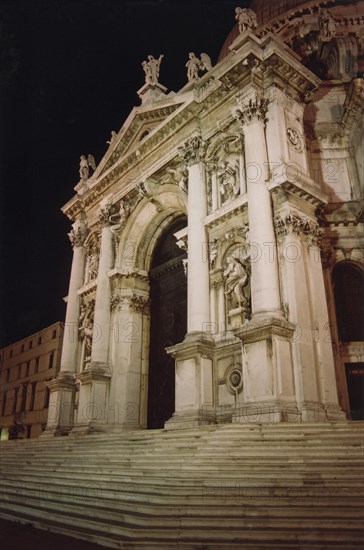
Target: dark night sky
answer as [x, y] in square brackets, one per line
[69, 73]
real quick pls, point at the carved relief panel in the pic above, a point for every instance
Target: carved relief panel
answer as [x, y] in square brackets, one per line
[225, 170]
[92, 246]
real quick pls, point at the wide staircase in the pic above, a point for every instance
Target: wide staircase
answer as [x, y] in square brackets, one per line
[215, 487]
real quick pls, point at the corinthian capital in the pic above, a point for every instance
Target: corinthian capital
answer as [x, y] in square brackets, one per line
[193, 150]
[256, 108]
[104, 215]
[78, 235]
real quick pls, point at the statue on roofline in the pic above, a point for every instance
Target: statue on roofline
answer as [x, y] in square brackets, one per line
[151, 69]
[246, 18]
[194, 65]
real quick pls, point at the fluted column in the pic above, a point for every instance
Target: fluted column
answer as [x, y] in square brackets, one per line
[264, 279]
[70, 341]
[198, 309]
[101, 328]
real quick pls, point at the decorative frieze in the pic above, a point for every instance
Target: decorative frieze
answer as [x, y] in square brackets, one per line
[193, 150]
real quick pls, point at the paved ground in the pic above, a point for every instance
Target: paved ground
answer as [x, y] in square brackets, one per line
[15, 536]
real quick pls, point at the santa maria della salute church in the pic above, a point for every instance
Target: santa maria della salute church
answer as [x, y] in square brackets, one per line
[218, 245]
[218, 255]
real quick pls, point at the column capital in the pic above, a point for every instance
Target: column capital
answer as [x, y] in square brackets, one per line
[193, 150]
[78, 235]
[255, 109]
[104, 215]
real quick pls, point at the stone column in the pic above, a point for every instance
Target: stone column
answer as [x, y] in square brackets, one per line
[264, 267]
[101, 330]
[62, 397]
[267, 355]
[94, 380]
[198, 267]
[194, 356]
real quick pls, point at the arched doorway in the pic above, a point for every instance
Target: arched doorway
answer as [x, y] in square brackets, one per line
[168, 292]
[348, 280]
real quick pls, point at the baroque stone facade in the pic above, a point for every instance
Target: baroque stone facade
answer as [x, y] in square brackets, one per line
[261, 186]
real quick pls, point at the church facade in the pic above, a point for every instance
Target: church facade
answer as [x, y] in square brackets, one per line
[218, 246]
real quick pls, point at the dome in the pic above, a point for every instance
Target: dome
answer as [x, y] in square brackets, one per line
[267, 11]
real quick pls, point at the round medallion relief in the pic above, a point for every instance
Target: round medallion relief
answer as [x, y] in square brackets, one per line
[294, 139]
[234, 380]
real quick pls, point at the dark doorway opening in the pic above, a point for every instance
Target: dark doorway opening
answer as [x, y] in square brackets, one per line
[168, 292]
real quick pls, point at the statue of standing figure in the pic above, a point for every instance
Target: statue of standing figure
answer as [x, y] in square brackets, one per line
[194, 64]
[85, 165]
[151, 69]
[246, 18]
[237, 276]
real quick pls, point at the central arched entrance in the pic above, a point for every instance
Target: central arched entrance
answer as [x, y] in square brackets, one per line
[168, 292]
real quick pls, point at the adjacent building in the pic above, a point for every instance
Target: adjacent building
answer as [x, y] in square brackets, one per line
[218, 261]
[26, 367]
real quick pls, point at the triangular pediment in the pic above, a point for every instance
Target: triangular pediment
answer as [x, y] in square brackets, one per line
[141, 122]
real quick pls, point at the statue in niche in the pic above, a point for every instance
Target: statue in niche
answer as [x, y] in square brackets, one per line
[246, 18]
[237, 278]
[85, 330]
[327, 25]
[228, 181]
[151, 69]
[93, 262]
[194, 65]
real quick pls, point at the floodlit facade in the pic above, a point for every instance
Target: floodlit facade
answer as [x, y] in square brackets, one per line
[217, 271]
[26, 367]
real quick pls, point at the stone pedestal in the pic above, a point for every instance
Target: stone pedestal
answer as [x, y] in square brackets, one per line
[268, 378]
[149, 93]
[61, 405]
[93, 399]
[194, 382]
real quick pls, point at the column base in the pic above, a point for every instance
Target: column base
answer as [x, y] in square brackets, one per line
[191, 418]
[93, 399]
[194, 381]
[286, 411]
[61, 405]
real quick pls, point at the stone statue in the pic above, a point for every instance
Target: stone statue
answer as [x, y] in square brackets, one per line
[85, 165]
[194, 64]
[246, 18]
[151, 69]
[237, 277]
[84, 168]
[180, 176]
[113, 137]
[228, 181]
[122, 216]
[327, 25]
[86, 329]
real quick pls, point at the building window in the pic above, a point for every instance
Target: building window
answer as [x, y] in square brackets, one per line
[36, 366]
[23, 398]
[27, 368]
[54, 334]
[22, 348]
[7, 375]
[51, 360]
[15, 402]
[30, 344]
[39, 340]
[10, 353]
[18, 373]
[348, 281]
[3, 405]
[32, 400]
